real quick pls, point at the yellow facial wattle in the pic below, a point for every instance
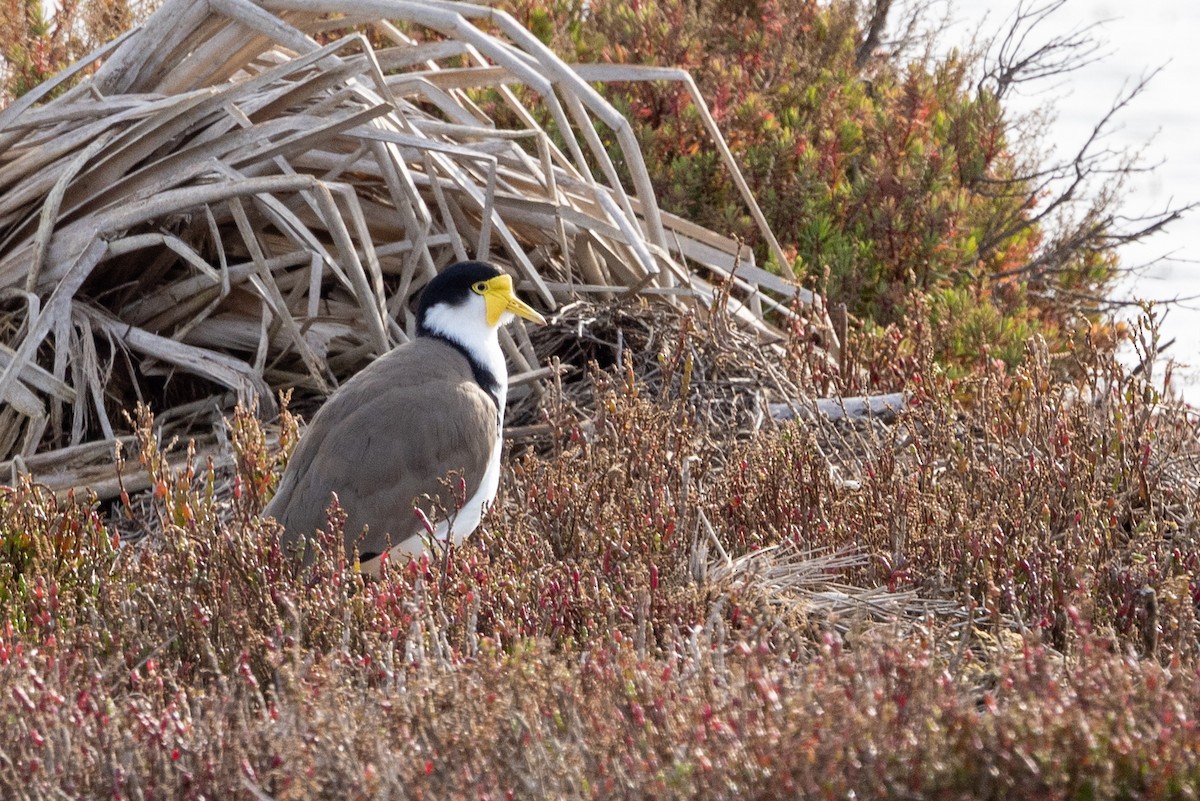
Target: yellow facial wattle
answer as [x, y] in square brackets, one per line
[499, 296]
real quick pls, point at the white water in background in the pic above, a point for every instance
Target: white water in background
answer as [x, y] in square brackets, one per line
[1163, 122]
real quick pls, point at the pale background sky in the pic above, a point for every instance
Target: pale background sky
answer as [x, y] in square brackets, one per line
[1138, 38]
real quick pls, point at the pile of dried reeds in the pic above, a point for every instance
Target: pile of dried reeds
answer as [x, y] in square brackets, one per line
[230, 206]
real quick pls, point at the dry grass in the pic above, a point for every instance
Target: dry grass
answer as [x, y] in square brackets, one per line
[656, 606]
[242, 199]
[989, 594]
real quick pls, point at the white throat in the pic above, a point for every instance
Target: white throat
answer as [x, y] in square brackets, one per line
[467, 327]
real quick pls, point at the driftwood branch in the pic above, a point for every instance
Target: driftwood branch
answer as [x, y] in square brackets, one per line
[882, 407]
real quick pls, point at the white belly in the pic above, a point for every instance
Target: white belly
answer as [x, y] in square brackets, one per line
[469, 516]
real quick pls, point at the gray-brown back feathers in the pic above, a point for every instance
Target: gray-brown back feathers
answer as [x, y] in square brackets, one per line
[384, 440]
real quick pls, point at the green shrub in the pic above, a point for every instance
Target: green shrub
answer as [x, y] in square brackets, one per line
[36, 45]
[878, 180]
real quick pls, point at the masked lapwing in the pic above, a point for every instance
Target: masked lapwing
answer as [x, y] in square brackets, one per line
[394, 433]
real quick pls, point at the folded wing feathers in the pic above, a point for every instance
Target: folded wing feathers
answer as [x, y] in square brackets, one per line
[396, 428]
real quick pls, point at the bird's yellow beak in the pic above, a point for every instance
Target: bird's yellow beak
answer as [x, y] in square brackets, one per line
[499, 295]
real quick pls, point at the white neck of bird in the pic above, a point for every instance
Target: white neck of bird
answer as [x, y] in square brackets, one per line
[480, 340]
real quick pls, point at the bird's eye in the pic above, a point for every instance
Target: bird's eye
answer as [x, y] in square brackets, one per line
[481, 287]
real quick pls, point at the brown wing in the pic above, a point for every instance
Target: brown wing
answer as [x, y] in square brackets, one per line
[385, 439]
